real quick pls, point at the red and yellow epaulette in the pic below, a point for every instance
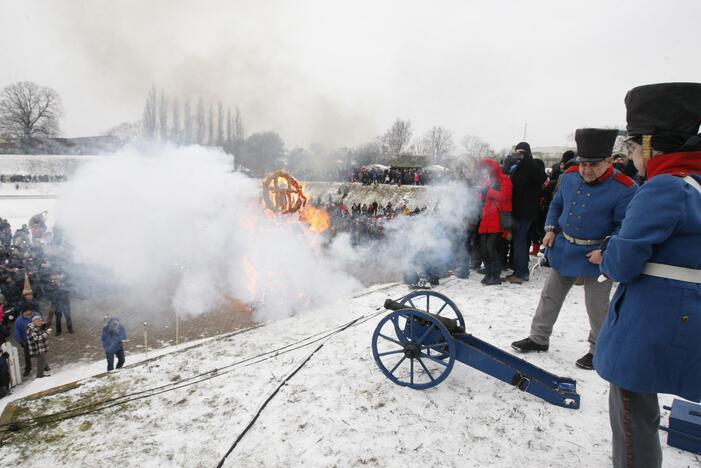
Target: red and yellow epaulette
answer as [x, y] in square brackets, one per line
[624, 179]
[572, 169]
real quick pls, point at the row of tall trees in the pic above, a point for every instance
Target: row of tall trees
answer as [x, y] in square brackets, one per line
[167, 120]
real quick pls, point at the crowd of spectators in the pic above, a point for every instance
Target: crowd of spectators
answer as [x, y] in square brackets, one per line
[34, 291]
[518, 192]
[364, 222]
[27, 178]
[394, 176]
[378, 174]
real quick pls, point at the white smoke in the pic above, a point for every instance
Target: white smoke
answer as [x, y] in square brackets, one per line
[433, 237]
[175, 228]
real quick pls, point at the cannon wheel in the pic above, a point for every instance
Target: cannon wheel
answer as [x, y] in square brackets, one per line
[406, 359]
[434, 303]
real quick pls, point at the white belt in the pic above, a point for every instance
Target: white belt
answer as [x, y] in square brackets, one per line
[660, 270]
[691, 181]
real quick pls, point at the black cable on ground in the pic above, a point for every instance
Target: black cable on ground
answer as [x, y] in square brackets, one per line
[272, 395]
[148, 393]
[265, 403]
[109, 403]
[127, 398]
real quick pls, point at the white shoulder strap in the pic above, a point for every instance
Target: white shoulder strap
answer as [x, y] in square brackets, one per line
[691, 181]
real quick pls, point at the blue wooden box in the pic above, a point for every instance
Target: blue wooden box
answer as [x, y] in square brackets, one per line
[684, 431]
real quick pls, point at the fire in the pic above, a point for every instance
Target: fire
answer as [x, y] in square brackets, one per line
[251, 275]
[318, 220]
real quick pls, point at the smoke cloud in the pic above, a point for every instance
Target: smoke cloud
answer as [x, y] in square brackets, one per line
[175, 228]
[412, 243]
[171, 228]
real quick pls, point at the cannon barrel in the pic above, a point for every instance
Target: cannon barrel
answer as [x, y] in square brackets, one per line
[394, 305]
[453, 325]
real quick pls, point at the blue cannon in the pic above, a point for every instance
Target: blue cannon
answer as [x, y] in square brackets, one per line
[418, 343]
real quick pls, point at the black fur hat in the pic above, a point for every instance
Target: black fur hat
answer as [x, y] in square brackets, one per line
[594, 144]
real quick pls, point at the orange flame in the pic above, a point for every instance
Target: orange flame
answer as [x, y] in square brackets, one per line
[318, 220]
[251, 275]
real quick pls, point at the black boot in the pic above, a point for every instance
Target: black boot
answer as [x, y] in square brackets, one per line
[493, 272]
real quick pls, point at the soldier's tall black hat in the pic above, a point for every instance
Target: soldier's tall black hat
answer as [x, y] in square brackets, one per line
[670, 112]
[594, 144]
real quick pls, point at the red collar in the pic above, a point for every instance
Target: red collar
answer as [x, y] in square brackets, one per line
[681, 164]
[604, 177]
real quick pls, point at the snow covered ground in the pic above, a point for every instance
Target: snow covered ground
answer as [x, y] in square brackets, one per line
[339, 409]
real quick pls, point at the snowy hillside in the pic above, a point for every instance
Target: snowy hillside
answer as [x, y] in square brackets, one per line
[338, 410]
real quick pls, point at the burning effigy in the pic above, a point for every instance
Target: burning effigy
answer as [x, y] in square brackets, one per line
[283, 194]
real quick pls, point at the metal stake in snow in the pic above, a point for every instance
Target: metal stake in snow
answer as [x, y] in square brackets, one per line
[146, 338]
[177, 327]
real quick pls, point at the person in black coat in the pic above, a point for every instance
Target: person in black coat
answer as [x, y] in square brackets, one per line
[527, 179]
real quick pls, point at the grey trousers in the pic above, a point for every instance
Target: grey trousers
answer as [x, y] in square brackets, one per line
[635, 420]
[596, 299]
[41, 364]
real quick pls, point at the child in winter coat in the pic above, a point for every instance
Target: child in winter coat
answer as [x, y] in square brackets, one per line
[496, 189]
[113, 334]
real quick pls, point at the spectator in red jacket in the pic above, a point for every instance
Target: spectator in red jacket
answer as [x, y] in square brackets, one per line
[496, 189]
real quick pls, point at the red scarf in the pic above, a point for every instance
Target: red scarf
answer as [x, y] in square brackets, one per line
[679, 164]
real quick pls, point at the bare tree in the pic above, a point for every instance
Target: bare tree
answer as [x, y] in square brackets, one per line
[220, 124]
[126, 131]
[200, 122]
[418, 146]
[28, 110]
[397, 138]
[367, 153]
[187, 124]
[163, 118]
[262, 152]
[438, 143]
[239, 130]
[229, 127]
[175, 130]
[149, 119]
[474, 146]
[210, 127]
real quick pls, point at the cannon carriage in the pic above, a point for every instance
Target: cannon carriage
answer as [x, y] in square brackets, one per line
[417, 344]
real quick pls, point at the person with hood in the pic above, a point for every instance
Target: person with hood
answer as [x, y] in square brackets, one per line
[20, 335]
[113, 334]
[527, 180]
[27, 297]
[589, 206]
[650, 342]
[495, 187]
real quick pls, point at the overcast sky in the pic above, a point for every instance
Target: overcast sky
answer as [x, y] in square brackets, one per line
[339, 72]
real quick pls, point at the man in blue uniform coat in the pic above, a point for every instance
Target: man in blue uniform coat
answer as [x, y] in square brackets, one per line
[588, 206]
[651, 340]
